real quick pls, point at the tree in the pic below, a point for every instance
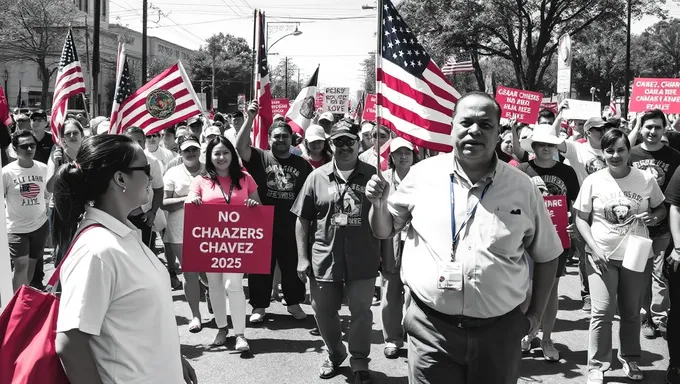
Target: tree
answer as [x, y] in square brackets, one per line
[277, 78]
[523, 32]
[233, 62]
[656, 51]
[34, 30]
[368, 69]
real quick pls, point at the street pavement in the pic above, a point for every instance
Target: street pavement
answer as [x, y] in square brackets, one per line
[283, 350]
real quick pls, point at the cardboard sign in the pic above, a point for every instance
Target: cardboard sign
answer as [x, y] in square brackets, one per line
[558, 210]
[519, 104]
[336, 100]
[280, 106]
[241, 102]
[663, 94]
[227, 238]
[581, 110]
[369, 108]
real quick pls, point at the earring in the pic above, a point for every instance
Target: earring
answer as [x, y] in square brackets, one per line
[124, 189]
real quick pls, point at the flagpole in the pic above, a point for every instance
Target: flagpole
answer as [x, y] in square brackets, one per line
[87, 114]
[253, 75]
[378, 66]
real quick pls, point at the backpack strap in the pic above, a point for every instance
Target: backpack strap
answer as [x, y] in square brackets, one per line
[51, 284]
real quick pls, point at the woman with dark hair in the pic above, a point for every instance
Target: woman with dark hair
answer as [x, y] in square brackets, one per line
[176, 183]
[225, 182]
[116, 322]
[613, 203]
[315, 147]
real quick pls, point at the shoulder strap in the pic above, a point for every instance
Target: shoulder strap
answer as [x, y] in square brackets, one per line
[55, 276]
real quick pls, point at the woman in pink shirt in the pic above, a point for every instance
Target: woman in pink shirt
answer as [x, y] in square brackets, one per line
[225, 182]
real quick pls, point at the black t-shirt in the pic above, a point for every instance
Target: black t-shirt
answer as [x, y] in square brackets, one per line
[672, 191]
[44, 149]
[662, 164]
[279, 181]
[560, 180]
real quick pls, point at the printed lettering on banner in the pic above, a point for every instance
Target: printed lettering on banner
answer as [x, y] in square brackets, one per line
[558, 210]
[280, 106]
[552, 106]
[519, 104]
[369, 109]
[650, 93]
[336, 100]
[227, 238]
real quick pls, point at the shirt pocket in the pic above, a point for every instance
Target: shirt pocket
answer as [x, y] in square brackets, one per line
[507, 232]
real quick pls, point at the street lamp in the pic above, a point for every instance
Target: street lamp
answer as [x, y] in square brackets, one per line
[295, 33]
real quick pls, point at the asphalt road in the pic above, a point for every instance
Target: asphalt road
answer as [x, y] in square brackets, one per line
[284, 352]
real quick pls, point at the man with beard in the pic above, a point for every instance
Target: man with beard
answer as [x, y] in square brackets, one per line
[344, 252]
[661, 161]
[279, 176]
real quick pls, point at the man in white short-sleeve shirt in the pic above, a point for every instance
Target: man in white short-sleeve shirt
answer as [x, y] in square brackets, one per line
[586, 158]
[117, 291]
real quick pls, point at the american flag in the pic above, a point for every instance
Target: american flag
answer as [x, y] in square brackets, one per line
[70, 83]
[414, 98]
[164, 101]
[458, 62]
[29, 190]
[122, 91]
[612, 102]
[263, 93]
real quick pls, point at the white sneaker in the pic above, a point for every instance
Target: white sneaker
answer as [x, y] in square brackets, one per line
[297, 312]
[242, 344]
[550, 353]
[258, 315]
[595, 377]
[525, 344]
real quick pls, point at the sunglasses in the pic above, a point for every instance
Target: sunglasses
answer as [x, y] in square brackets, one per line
[153, 136]
[145, 168]
[344, 142]
[26, 147]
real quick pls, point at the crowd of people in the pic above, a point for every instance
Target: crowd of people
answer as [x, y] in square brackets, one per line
[466, 253]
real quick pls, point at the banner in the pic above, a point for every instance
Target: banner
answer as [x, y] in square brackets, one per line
[551, 105]
[581, 110]
[519, 104]
[564, 56]
[336, 100]
[558, 210]
[280, 106]
[318, 101]
[663, 94]
[227, 238]
[369, 108]
[241, 102]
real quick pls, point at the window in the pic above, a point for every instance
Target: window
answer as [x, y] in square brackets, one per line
[177, 53]
[103, 8]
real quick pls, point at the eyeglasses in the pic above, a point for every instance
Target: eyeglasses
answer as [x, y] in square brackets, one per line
[26, 147]
[153, 136]
[344, 142]
[145, 168]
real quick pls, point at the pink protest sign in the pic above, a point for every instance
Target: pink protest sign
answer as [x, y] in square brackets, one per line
[519, 104]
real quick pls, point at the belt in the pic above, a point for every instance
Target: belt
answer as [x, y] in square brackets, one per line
[459, 321]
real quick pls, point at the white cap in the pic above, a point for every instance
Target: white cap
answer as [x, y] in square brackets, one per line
[103, 127]
[212, 130]
[543, 133]
[315, 133]
[189, 143]
[399, 142]
[367, 127]
[327, 116]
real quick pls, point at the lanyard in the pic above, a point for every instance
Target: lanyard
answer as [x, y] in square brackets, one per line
[341, 194]
[231, 189]
[455, 234]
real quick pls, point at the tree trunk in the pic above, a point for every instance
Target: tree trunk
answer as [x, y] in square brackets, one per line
[44, 96]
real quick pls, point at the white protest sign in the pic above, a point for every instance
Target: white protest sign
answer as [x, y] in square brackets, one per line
[564, 56]
[336, 100]
[581, 110]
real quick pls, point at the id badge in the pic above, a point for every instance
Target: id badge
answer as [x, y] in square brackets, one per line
[450, 276]
[339, 219]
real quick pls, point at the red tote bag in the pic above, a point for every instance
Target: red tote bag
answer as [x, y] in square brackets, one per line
[28, 330]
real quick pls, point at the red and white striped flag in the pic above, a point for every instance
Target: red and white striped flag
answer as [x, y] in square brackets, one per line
[458, 62]
[162, 102]
[263, 93]
[612, 102]
[122, 91]
[69, 83]
[414, 98]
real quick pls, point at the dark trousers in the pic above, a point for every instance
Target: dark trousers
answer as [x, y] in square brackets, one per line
[673, 321]
[579, 246]
[260, 286]
[441, 352]
[39, 273]
[142, 226]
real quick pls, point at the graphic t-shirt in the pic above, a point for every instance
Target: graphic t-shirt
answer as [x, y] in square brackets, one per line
[279, 181]
[614, 203]
[584, 159]
[25, 196]
[560, 180]
[661, 165]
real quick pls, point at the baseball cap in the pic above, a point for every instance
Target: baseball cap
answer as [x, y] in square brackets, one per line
[594, 122]
[212, 130]
[327, 116]
[315, 133]
[188, 141]
[195, 120]
[279, 117]
[345, 127]
[367, 127]
[399, 142]
[39, 114]
[103, 127]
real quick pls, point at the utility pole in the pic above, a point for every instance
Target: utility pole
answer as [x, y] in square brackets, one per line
[286, 67]
[95, 58]
[625, 101]
[88, 108]
[212, 89]
[145, 17]
[299, 87]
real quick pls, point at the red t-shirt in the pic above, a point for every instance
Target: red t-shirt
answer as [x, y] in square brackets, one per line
[212, 194]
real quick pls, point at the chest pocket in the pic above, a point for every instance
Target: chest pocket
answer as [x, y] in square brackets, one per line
[507, 232]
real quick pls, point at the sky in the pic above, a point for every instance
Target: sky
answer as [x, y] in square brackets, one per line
[336, 34]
